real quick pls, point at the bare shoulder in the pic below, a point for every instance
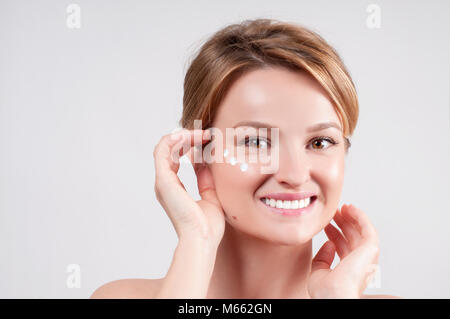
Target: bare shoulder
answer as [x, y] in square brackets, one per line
[380, 297]
[128, 288]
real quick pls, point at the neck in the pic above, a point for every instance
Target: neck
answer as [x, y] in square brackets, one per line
[251, 267]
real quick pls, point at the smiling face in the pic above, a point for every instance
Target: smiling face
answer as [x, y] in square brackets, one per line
[308, 160]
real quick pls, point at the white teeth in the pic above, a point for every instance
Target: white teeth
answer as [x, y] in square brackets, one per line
[301, 203]
[279, 204]
[307, 201]
[273, 202]
[288, 204]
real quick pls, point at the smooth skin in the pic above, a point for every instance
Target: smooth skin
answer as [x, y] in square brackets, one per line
[230, 245]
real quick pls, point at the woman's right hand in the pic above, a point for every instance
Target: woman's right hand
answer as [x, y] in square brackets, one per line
[203, 219]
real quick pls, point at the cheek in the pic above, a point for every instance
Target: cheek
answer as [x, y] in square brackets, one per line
[236, 185]
[331, 173]
[330, 177]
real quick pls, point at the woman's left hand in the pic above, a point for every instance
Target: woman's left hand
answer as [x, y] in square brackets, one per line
[358, 249]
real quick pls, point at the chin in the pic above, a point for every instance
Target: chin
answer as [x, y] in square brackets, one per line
[292, 239]
[291, 236]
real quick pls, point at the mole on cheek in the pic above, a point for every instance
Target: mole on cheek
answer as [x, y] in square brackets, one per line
[234, 217]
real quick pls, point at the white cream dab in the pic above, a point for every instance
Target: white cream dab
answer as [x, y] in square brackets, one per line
[233, 161]
[244, 167]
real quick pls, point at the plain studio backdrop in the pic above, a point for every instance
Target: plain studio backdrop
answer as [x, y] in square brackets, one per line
[88, 89]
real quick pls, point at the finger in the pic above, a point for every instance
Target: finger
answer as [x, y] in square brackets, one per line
[362, 222]
[350, 232]
[360, 266]
[188, 139]
[324, 257]
[342, 246]
[205, 181]
[206, 186]
[165, 168]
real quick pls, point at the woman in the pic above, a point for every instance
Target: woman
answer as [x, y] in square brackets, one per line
[250, 235]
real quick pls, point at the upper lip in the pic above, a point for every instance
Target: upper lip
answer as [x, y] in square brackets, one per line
[290, 196]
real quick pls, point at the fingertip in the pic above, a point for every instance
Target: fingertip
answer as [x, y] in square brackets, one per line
[349, 208]
[352, 210]
[347, 211]
[327, 228]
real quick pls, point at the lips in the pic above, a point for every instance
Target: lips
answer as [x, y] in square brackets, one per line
[290, 196]
[286, 209]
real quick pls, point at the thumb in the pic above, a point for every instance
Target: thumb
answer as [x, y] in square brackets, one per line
[205, 183]
[324, 257]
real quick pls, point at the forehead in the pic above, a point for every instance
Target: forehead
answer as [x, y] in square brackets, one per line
[282, 97]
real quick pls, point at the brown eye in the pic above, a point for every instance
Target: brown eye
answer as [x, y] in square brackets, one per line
[322, 143]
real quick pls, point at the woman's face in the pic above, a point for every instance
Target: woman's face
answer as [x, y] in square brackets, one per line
[294, 103]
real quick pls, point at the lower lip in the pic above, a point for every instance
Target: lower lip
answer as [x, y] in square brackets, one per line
[291, 212]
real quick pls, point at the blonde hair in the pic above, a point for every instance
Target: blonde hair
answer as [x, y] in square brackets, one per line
[259, 43]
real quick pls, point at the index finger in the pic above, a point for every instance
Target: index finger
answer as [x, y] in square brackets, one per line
[164, 150]
[361, 221]
[188, 139]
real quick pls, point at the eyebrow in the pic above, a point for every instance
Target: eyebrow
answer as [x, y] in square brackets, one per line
[313, 128]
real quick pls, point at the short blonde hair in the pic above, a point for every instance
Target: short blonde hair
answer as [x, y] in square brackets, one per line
[259, 43]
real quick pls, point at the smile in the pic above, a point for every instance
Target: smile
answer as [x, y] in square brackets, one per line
[289, 207]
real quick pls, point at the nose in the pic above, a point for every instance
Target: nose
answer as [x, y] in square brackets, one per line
[294, 166]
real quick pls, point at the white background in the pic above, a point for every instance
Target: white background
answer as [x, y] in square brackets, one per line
[82, 109]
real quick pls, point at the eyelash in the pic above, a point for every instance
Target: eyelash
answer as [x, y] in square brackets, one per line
[325, 138]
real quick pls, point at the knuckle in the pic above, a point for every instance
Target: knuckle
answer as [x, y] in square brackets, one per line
[158, 146]
[156, 149]
[167, 137]
[374, 249]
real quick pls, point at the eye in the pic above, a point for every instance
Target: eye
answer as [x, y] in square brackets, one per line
[318, 143]
[256, 142]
